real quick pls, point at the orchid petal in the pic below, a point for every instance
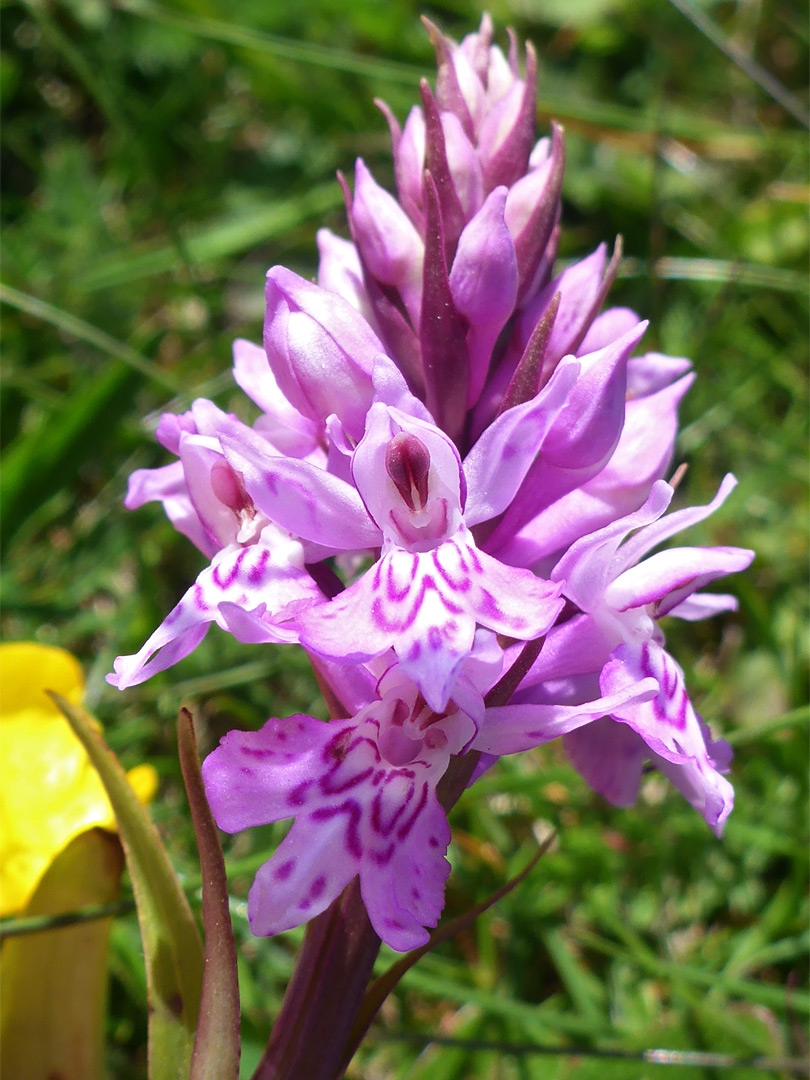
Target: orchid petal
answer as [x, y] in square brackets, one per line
[483, 278]
[651, 373]
[171, 427]
[589, 565]
[258, 626]
[405, 892]
[255, 777]
[302, 498]
[638, 546]
[533, 209]
[201, 459]
[308, 871]
[582, 438]
[641, 457]
[167, 485]
[283, 425]
[464, 165]
[578, 286]
[426, 606]
[575, 647]
[669, 726]
[409, 166]
[703, 606]
[606, 327]
[379, 493]
[509, 729]
[340, 271]
[391, 248]
[670, 576]
[610, 757]
[320, 348]
[484, 281]
[707, 791]
[498, 463]
[246, 576]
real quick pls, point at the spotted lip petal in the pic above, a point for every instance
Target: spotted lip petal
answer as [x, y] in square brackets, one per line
[431, 586]
[269, 574]
[426, 605]
[357, 812]
[255, 777]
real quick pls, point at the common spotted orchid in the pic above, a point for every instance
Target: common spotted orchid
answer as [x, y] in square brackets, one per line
[447, 500]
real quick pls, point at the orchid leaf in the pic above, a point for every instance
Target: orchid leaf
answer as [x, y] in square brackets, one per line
[216, 1044]
[379, 990]
[54, 983]
[171, 941]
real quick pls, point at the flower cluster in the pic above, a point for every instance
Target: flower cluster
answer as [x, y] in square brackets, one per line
[459, 455]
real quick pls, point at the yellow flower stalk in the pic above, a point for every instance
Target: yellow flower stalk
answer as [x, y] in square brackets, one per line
[49, 791]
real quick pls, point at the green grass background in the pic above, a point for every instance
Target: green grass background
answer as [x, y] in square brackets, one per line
[157, 159]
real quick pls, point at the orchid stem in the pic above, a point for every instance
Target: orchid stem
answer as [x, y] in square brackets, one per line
[334, 967]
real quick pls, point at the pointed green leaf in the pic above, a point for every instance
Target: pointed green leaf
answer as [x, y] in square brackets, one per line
[216, 1046]
[171, 941]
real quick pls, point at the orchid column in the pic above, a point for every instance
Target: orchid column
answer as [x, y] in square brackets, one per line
[447, 500]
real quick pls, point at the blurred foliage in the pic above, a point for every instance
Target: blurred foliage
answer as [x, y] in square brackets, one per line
[157, 158]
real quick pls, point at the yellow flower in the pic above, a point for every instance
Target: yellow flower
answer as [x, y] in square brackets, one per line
[49, 791]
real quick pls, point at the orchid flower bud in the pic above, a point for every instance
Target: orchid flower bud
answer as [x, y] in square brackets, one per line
[321, 350]
[391, 248]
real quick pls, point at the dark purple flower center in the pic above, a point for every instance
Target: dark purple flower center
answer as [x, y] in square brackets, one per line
[407, 462]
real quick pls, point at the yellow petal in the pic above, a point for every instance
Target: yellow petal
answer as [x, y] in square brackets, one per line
[28, 669]
[144, 781]
[49, 790]
[53, 984]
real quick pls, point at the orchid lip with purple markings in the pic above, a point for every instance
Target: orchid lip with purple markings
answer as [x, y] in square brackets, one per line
[618, 640]
[362, 792]
[431, 585]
